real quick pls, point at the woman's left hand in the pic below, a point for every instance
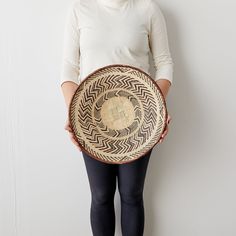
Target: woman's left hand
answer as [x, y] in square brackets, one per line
[165, 132]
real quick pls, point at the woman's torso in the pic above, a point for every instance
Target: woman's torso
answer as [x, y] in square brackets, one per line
[112, 32]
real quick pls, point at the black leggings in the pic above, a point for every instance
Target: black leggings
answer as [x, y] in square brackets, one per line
[102, 181]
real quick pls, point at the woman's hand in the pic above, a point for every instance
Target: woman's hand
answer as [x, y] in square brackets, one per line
[165, 132]
[72, 136]
[164, 85]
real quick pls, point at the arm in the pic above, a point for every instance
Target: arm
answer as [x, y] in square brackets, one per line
[164, 85]
[159, 46]
[70, 72]
[68, 90]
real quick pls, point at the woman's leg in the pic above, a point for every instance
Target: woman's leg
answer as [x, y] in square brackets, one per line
[102, 180]
[131, 178]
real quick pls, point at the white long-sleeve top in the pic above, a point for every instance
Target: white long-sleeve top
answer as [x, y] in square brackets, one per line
[102, 32]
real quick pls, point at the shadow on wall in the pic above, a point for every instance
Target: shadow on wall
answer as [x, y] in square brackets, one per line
[185, 110]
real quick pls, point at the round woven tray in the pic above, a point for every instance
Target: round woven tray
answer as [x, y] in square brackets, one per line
[118, 113]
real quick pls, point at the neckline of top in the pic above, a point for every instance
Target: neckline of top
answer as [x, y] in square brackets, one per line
[113, 3]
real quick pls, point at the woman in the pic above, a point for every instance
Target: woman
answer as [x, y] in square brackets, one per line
[98, 33]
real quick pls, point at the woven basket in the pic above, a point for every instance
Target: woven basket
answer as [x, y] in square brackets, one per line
[118, 113]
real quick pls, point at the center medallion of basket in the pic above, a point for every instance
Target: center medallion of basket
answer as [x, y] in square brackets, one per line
[118, 113]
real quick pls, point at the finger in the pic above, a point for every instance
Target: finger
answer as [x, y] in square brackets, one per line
[74, 141]
[169, 119]
[70, 132]
[73, 136]
[164, 133]
[68, 128]
[77, 145]
[165, 130]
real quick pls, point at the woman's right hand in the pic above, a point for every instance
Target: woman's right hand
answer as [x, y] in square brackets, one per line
[72, 136]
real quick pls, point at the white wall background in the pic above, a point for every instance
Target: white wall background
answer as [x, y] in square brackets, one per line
[190, 185]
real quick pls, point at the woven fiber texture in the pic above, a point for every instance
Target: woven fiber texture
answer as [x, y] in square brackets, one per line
[117, 113]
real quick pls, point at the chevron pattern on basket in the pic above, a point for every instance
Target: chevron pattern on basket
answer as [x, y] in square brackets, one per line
[117, 113]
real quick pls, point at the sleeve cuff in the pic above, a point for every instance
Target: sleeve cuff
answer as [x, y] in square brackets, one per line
[165, 72]
[70, 73]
